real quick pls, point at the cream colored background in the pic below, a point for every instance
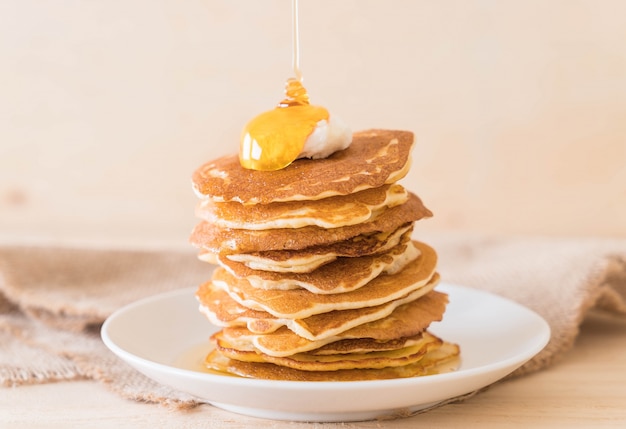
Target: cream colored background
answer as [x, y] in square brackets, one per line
[106, 107]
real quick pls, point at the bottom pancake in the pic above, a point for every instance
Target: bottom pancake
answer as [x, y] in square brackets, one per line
[440, 359]
[331, 362]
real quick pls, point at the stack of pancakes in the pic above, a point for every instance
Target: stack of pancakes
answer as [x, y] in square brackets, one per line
[318, 277]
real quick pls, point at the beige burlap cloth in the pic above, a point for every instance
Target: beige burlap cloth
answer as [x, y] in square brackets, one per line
[54, 299]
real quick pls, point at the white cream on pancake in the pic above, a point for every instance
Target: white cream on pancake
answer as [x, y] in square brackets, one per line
[327, 138]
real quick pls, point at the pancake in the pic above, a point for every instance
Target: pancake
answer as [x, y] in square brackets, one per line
[224, 311]
[342, 275]
[235, 241]
[238, 340]
[406, 320]
[437, 360]
[275, 261]
[365, 345]
[330, 212]
[375, 158]
[309, 259]
[323, 325]
[298, 303]
[333, 362]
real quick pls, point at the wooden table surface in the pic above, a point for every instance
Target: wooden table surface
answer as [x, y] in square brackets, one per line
[586, 389]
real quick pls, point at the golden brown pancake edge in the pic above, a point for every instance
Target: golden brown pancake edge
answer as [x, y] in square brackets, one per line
[375, 158]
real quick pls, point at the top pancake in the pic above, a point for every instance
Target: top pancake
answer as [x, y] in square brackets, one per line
[375, 158]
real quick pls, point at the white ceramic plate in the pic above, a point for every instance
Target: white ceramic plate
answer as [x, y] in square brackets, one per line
[165, 337]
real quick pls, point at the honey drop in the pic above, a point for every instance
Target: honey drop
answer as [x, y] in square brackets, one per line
[274, 139]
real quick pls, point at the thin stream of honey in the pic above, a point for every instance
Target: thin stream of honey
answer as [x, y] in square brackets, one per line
[295, 40]
[274, 139]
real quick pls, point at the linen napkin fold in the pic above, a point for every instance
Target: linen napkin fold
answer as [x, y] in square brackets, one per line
[54, 299]
[561, 279]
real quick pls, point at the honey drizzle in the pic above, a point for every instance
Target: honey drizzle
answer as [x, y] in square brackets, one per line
[295, 40]
[274, 139]
[297, 94]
